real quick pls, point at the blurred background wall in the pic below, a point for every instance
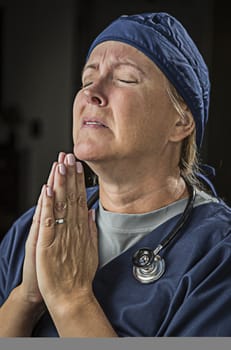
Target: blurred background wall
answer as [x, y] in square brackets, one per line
[42, 49]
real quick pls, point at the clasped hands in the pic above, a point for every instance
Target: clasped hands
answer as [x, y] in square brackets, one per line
[61, 256]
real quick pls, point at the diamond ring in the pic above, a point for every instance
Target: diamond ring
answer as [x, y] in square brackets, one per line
[60, 221]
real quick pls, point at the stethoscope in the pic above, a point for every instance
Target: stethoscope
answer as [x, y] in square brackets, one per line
[148, 265]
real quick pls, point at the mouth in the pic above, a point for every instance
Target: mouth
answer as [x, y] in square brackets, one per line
[93, 123]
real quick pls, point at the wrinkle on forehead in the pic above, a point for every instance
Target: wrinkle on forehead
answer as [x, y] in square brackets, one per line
[113, 53]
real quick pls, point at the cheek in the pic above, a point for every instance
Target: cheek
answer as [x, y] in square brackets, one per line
[129, 106]
[152, 119]
[135, 112]
[158, 110]
[131, 120]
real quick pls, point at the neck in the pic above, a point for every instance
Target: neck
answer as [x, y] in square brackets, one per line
[140, 195]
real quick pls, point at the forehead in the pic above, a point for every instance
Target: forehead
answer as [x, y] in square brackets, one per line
[114, 52]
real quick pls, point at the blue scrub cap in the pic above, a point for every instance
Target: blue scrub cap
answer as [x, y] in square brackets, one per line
[163, 39]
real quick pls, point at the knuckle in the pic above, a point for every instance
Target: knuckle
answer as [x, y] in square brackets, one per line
[81, 201]
[47, 206]
[35, 220]
[60, 206]
[48, 222]
[72, 197]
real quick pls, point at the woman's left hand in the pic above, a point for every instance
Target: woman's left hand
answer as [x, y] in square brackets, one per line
[67, 250]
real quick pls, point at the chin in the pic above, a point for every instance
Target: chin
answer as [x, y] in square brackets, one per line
[87, 153]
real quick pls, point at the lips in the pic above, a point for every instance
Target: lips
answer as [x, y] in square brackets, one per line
[93, 123]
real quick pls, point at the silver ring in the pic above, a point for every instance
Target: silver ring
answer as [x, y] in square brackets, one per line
[60, 221]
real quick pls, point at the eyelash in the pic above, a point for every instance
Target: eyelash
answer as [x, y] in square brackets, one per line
[120, 80]
[86, 84]
[128, 81]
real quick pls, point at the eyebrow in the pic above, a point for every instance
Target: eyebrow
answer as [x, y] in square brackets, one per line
[117, 65]
[89, 66]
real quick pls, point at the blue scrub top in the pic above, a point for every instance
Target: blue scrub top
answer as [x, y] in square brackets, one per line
[192, 298]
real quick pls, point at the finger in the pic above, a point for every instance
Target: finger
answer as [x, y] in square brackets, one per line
[93, 237]
[61, 157]
[46, 234]
[71, 188]
[82, 210]
[50, 180]
[33, 235]
[92, 227]
[60, 200]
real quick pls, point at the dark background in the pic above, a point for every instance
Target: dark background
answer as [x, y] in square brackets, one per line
[42, 49]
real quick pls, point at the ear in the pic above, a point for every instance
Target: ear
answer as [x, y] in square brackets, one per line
[183, 126]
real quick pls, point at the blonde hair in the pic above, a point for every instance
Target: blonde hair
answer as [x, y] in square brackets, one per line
[189, 160]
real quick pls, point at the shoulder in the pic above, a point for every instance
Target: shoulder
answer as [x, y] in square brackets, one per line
[205, 245]
[20, 228]
[208, 229]
[12, 250]
[13, 243]
[216, 213]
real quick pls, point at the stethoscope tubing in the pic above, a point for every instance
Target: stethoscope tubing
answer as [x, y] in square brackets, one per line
[184, 217]
[148, 266]
[182, 221]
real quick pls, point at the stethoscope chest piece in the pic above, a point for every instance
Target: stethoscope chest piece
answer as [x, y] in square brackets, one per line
[147, 266]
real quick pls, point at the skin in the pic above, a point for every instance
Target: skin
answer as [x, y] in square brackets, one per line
[126, 129]
[144, 132]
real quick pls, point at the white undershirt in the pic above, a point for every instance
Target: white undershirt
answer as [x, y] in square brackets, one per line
[118, 232]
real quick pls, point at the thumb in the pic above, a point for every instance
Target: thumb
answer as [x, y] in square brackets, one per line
[33, 234]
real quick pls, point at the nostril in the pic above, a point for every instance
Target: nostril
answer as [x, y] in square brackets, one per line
[96, 99]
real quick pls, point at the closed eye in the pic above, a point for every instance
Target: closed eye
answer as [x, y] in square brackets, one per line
[128, 81]
[84, 85]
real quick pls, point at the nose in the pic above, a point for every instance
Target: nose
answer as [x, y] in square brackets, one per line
[95, 95]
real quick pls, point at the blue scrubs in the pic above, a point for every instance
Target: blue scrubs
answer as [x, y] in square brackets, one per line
[192, 298]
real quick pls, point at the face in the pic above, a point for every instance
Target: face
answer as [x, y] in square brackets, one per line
[123, 111]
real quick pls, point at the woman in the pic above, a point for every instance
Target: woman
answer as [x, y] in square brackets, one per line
[137, 122]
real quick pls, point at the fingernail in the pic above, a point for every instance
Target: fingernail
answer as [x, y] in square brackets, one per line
[62, 169]
[70, 159]
[49, 191]
[79, 167]
[61, 156]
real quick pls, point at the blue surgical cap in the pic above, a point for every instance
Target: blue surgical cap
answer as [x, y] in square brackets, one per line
[163, 39]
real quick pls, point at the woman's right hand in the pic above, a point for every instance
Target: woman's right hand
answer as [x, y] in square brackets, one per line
[29, 290]
[25, 304]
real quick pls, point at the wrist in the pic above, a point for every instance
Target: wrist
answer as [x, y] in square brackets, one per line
[69, 305]
[29, 303]
[81, 316]
[18, 315]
